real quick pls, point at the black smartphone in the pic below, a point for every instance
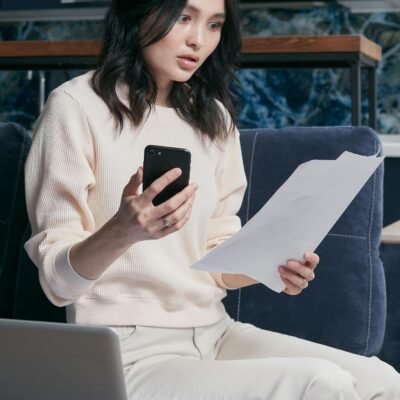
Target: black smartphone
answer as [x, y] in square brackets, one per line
[160, 159]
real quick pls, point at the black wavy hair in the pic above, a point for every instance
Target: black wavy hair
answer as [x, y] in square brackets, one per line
[195, 100]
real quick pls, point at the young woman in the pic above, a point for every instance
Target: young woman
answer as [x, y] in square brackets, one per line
[113, 258]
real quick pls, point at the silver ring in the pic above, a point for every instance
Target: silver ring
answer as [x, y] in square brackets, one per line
[305, 284]
[166, 222]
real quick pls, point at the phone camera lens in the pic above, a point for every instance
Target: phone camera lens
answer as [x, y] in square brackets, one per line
[159, 153]
[152, 152]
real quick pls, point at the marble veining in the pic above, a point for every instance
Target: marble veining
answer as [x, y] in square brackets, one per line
[270, 98]
[278, 98]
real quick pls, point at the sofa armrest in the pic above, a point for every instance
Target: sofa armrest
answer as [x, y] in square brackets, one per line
[390, 253]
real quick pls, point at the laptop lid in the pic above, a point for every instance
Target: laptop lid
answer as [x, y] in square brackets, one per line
[57, 361]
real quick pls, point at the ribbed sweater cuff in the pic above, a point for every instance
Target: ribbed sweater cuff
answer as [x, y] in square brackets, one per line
[69, 281]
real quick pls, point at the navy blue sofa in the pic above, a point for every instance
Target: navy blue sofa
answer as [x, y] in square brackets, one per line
[345, 307]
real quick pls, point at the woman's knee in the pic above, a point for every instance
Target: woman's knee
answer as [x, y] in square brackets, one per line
[391, 389]
[383, 380]
[328, 381]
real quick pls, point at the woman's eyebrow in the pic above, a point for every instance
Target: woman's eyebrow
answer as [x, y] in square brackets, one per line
[197, 11]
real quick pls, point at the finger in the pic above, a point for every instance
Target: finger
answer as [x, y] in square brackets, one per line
[180, 213]
[161, 183]
[312, 260]
[171, 205]
[290, 288]
[177, 226]
[296, 280]
[183, 220]
[304, 271]
[155, 216]
[132, 187]
[166, 221]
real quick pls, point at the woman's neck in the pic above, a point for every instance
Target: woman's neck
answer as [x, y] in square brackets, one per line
[163, 92]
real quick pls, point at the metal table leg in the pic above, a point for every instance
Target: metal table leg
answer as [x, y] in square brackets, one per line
[42, 90]
[373, 107]
[356, 93]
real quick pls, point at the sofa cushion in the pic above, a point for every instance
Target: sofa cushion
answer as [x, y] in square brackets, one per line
[21, 296]
[14, 143]
[345, 306]
[390, 352]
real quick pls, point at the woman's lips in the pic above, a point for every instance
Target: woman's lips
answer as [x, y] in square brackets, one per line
[187, 63]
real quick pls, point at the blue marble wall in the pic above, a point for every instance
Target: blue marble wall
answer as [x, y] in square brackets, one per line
[319, 97]
[272, 98]
[20, 92]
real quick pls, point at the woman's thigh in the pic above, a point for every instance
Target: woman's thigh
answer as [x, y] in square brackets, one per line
[374, 378]
[174, 364]
[183, 378]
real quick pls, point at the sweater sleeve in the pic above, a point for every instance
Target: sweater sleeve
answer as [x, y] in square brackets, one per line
[231, 181]
[58, 177]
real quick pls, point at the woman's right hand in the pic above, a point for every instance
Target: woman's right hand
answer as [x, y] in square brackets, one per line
[140, 220]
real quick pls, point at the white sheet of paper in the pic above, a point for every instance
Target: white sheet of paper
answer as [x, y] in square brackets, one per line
[295, 220]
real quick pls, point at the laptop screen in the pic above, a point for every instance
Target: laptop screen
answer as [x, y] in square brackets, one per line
[43, 360]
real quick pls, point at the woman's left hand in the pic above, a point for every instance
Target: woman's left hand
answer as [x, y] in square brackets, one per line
[296, 275]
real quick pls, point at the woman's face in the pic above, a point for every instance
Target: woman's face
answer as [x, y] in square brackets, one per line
[192, 39]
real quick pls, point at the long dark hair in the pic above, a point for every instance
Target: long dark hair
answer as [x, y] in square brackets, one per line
[195, 100]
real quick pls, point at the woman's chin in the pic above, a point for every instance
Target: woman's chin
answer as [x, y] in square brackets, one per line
[183, 77]
[182, 80]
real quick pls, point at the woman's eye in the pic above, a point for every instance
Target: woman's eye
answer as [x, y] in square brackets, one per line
[183, 18]
[215, 25]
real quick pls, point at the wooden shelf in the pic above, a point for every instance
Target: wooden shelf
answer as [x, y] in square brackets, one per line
[313, 44]
[253, 45]
[59, 48]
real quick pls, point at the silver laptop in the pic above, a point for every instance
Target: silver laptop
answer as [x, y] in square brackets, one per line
[55, 361]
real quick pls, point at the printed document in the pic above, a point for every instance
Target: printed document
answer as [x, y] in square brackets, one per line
[294, 221]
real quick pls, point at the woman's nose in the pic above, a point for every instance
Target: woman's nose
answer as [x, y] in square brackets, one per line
[195, 38]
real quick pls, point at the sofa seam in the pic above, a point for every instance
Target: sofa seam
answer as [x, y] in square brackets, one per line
[370, 261]
[250, 176]
[347, 236]
[247, 211]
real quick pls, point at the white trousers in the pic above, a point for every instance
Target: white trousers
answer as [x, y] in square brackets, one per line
[231, 360]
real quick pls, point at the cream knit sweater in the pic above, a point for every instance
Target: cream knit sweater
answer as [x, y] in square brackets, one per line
[76, 170]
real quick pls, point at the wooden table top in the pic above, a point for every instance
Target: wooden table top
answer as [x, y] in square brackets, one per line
[250, 45]
[313, 44]
[391, 233]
